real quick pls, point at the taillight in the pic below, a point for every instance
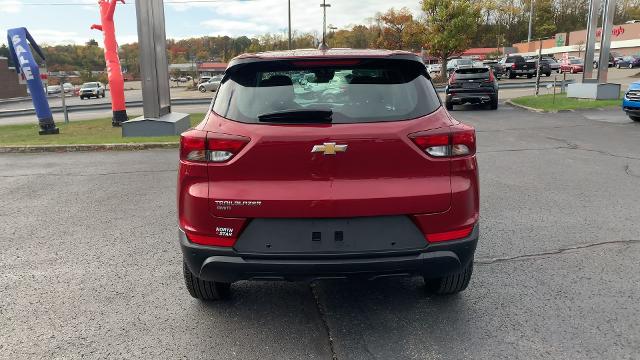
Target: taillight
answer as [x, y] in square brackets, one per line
[491, 77]
[222, 147]
[457, 140]
[202, 146]
[450, 235]
[513, 66]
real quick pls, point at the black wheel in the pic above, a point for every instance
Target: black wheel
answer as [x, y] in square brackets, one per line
[493, 105]
[103, 95]
[634, 118]
[617, 66]
[202, 289]
[547, 74]
[450, 284]
[595, 65]
[510, 74]
[630, 66]
[529, 76]
[81, 97]
[202, 89]
[448, 106]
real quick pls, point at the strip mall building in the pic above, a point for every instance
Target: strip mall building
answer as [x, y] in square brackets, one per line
[625, 40]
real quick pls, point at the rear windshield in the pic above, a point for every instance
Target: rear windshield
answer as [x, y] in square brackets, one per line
[354, 90]
[90, 85]
[473, 73]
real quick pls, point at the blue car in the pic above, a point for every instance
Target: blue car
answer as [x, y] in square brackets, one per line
[631, 101]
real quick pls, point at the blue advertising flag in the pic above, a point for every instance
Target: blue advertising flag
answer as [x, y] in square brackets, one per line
[19, 39]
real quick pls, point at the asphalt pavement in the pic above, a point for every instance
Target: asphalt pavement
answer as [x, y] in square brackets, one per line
[90, 263]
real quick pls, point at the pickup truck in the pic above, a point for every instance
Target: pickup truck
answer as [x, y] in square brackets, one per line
[516, 65]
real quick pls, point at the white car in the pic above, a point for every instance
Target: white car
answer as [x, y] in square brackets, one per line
[434, 68]
[68, 87]
[53, 89]
[211, 85]
[455, 64]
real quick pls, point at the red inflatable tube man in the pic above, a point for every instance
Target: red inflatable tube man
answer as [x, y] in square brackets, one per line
[116, 81]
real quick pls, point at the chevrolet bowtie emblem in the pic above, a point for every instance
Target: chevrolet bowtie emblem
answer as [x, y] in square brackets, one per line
[329, 148]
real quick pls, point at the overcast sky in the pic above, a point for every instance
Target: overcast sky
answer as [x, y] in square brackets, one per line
[59, 24]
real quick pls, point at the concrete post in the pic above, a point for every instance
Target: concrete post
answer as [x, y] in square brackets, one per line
[589, 52]
[158, 120]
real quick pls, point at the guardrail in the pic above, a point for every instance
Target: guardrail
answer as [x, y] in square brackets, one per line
[103, 106]
[203, 101]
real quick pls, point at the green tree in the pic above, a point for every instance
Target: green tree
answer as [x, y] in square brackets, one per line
[450, 25]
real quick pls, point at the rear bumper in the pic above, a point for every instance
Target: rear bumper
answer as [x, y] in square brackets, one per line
[460, 98]
[227, 265]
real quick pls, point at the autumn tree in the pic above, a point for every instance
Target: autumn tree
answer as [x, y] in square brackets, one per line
[450, 25]
[394, 24]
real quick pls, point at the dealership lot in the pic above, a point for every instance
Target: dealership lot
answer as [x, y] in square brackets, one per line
[90, 265]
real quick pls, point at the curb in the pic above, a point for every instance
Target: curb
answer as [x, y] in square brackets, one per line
[510, 103]
[29, 149]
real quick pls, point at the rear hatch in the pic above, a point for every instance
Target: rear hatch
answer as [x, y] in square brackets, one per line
[471, 80]
[334, 145]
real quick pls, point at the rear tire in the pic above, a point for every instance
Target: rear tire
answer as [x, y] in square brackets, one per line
[448, 106]
[203, 289]
[450, 284]
[630, 66]
[510, 74]
[529, 76]
[202, 89]
[634, 118]
[494, 105]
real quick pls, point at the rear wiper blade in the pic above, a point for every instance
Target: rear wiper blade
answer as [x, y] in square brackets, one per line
[298, 116]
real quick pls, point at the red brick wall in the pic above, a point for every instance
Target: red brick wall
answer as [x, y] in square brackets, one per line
[9, 79]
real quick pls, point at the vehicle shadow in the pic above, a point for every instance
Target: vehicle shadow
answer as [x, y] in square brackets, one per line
[395, 319]
[263, 320]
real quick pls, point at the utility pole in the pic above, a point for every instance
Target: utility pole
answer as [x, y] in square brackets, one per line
[530, 22]
[289, 3]
[538, 67]
[324, 7]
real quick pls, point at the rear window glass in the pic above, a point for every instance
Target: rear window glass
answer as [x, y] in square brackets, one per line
[363, 90]
[473, 73]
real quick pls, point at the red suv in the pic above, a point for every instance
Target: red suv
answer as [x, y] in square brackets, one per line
[327, 164]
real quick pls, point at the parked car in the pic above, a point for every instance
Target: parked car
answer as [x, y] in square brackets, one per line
[458, 64]
[516, 65]
[92, 89]
[545, 67]
[498, 69]
[434, 68]
[631, 101]
[630, 62]
[573, 66]
[211, 85]
[553, 63]
[54, 89]
[472, 86]
[204, 79]
[278, 184]
[596, 60]
[68, 87]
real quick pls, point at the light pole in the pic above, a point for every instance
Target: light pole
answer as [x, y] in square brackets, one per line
[530, 22]
[289, 3]
[324, 7]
